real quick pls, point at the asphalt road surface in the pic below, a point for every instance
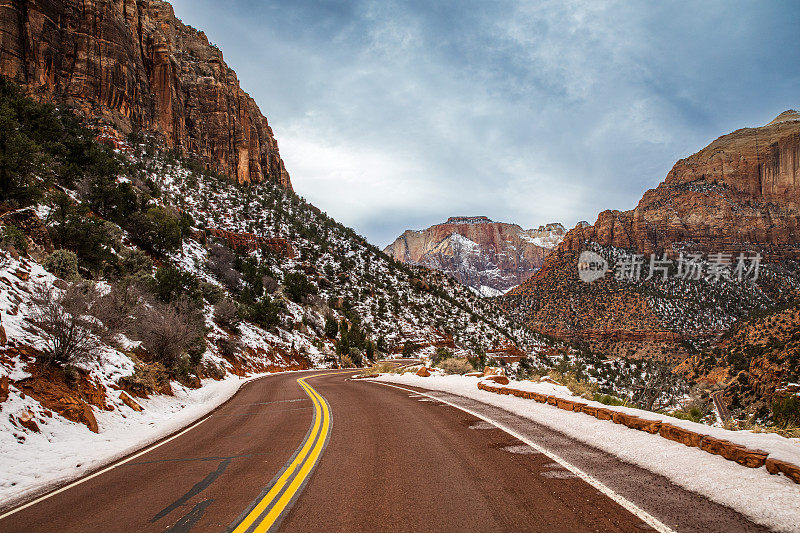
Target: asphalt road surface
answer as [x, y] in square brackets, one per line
[315, 451]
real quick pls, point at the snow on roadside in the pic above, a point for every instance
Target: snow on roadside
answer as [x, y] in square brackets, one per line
[764, 498]
[65, 450]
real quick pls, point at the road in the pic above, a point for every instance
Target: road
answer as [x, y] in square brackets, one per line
[326, 453]
[719, 403]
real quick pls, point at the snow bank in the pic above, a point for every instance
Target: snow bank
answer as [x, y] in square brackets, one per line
[764, 498]
[65, 450]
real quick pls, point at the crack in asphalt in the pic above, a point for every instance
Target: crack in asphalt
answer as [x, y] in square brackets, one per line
[194, 491]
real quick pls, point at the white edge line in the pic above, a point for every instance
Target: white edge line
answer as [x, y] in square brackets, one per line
[147, 449]
[599, 485]
[103, 471]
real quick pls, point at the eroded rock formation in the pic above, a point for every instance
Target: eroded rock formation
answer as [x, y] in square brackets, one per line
[486, 255]
[743, 188]
[739, 194]
[132, 64]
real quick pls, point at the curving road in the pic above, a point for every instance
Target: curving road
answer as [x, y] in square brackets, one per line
[316, 451]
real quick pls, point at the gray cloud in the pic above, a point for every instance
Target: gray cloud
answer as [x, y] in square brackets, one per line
[396, 115]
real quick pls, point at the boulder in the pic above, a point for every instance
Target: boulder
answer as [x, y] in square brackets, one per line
[567, 405]
[578, 407]
[497, 378]
[26, 419]
[130, 402]
[604, 414]
[747, 457]
[3, 388]
[775, 466]
[682, 435]
[590, 410]
[423, 372]
[3, 337]
[642, 424]
[552, 400]
[541, 398]
[734, 452]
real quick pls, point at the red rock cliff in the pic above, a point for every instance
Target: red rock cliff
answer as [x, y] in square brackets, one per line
[742, 188]
[131, 63]
[477, 251]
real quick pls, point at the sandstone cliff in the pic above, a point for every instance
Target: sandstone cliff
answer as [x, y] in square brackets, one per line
[132, 64]
[740, 193]
[488, 256]
[742, 188]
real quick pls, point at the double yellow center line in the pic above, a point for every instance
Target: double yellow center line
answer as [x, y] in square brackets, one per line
[281, 494]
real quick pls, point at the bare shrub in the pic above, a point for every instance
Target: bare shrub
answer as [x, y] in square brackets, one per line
[221, 261]
[270, 284]
[230, 347]
[168, 331]
[118, 308]
[63, 317]
[456, 366]
[226, 313]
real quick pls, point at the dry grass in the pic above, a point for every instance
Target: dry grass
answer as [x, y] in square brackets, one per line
[790, 432]
[380, 368]
[456, 366]
[575, 386]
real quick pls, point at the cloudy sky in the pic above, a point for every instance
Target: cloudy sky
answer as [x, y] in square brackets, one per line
[396, 115]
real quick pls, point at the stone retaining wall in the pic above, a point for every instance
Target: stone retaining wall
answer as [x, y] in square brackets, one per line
[724, 448]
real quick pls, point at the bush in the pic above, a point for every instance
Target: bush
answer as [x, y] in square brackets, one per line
[212, 293]
[298, 286]
[453, 365]
[172, 283]
[156, 230]
[13, 237]
[220, 262]
[133, 262]
[72, 227]
[786, 411]
[693, 413]
[62, 264]
[410, 348]
[265, 312]
[607, 399]
[331, 327]
[62, 316]
[442, 354]
[169, 331]
[226, 313]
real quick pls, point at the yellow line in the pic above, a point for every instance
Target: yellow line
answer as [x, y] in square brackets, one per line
[264, 503]
[298, 480]
[306, 459]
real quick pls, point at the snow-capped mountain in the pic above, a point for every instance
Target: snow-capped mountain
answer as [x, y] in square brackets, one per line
[490, 257]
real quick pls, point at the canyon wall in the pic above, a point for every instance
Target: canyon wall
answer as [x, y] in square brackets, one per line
[132, 64]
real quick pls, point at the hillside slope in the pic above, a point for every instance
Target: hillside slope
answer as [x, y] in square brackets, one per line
[737, 196]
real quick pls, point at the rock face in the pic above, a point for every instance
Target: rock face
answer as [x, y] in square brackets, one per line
[740, 193]
[132, 65]
[488, 256]
[742, 188]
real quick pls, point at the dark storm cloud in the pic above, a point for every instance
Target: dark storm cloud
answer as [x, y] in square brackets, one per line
[396, 115]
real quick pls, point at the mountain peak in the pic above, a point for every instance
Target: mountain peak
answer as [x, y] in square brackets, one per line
[469, 220]
[787, 116]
